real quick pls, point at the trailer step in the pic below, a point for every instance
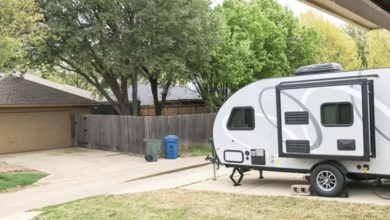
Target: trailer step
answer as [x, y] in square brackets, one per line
[301, 190]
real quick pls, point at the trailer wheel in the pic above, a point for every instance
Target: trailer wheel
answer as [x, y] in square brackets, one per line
[327, 180]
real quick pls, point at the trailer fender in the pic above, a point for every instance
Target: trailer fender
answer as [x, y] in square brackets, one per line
[335, 163]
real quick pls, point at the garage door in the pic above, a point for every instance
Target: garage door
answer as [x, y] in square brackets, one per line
[25, 131]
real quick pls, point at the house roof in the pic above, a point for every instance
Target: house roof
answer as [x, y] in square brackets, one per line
[175, 93]
[29, 90]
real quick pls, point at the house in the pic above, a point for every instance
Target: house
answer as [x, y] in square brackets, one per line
[36, 113]
[180, 100]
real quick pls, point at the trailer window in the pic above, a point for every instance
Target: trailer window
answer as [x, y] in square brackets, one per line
[241, 118]
[337, 114]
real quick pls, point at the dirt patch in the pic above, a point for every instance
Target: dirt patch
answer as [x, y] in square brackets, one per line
[8, 167]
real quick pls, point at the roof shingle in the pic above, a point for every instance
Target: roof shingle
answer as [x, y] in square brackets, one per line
[17, 90]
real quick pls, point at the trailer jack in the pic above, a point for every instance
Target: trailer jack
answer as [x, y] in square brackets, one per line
[213, 159]
[241, 172]
[261, 175]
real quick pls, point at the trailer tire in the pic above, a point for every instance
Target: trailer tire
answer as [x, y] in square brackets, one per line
[327, 180]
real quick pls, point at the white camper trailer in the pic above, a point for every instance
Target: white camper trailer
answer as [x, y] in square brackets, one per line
[329, 124]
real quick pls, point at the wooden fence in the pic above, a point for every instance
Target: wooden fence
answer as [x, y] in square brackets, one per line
[127, 133]
[176, 109]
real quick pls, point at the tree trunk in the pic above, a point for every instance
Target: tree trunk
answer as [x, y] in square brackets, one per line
[154, 87]
[134, 95]
[122, 94]
[124, 107]
[164, 95]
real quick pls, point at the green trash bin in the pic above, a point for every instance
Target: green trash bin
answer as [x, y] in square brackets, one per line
[152, 149]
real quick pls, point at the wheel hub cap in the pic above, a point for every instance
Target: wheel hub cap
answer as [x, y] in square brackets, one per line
[326, 180]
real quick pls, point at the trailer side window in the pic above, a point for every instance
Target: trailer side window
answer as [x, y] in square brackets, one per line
[337, 114]
[241, 118]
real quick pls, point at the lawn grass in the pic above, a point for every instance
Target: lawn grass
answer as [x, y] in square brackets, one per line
[198, 150]
[10, 180]
[188, 204]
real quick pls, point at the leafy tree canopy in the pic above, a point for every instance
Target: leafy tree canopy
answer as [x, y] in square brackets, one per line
[172, 33]
[359, 36]
[378, 48]
[19, 30]
[335, 45]
[259, 39]
[94, 40]
[111, 42]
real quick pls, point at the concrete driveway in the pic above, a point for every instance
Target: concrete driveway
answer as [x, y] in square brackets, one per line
[78, 173]
[279, 184]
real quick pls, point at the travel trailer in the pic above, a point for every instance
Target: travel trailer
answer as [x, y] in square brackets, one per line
[324, 122]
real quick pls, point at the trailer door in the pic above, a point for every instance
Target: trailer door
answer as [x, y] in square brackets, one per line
[326, 119]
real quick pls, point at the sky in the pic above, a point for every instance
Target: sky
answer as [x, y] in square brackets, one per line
[298, 7]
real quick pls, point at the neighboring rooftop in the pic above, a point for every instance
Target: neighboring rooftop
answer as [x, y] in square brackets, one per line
[27, 89]
[175, 93]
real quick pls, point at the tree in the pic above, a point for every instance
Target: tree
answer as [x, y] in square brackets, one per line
[259, 39]
[360, 39]
[378, 49]
[335, 45]
[19, 30]
[171, 32]
[113, 43]
[95, 39]
[69, 78]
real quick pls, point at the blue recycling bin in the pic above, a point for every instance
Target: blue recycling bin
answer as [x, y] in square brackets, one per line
[171, 146]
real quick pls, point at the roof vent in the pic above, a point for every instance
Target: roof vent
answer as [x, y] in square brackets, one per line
[319, 68]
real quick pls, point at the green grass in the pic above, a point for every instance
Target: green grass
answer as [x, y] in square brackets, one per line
[10, 180]
[188, 204]
[198, 150]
